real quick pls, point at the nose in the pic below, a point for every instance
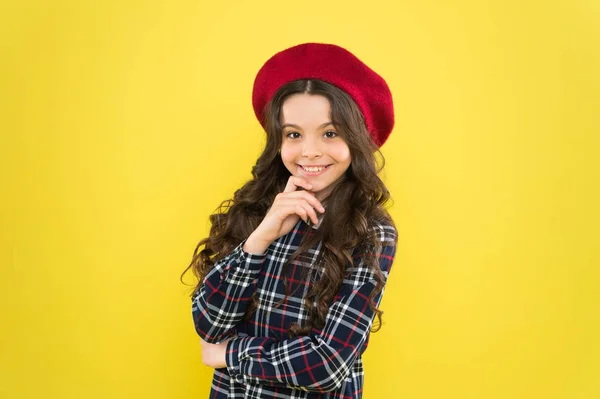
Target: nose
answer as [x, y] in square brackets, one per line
[310, 148]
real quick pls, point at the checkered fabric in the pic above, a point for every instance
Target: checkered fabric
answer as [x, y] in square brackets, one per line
[262, 362]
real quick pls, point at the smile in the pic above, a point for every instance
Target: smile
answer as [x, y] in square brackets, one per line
[314, 170]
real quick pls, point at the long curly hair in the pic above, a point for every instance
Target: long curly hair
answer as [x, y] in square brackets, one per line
[357, 200]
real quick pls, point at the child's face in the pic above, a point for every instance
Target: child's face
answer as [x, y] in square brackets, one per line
[310, 146]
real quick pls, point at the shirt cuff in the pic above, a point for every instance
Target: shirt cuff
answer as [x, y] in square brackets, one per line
[234, 354]
[251, 263]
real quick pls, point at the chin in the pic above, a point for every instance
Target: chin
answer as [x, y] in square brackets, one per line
[318, 187]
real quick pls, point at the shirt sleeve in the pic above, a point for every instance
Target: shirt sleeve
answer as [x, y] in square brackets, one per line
[221, 302]
[318, 362]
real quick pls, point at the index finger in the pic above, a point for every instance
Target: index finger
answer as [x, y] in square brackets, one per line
[294, 182]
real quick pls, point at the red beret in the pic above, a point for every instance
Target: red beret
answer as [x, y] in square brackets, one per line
[335, 65]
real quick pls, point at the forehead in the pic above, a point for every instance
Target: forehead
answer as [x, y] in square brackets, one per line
[305, 109]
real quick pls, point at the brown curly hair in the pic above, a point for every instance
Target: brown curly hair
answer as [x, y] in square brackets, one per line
[356, 201]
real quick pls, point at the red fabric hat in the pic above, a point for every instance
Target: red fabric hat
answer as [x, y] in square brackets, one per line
[335, 65]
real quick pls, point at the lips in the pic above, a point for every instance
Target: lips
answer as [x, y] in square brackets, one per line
[313, 170]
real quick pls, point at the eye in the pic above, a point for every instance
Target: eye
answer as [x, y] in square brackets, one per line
[330, 134]
[293, 135]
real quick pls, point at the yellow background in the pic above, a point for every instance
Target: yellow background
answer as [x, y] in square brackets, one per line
[125, 123]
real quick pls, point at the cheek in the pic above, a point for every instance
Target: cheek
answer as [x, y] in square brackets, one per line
[287, 154]
[342, 154]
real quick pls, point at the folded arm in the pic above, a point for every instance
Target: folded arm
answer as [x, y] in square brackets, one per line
[318, 362]
[221, 302]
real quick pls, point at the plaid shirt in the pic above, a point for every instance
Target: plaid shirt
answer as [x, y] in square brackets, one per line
[262, 362]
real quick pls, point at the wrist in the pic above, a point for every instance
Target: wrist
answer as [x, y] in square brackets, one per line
[221, 356]
[255, 246]
[214, 355]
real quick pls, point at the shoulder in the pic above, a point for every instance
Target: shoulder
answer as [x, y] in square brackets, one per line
[373, 258]
[384, 231]
[380, 241]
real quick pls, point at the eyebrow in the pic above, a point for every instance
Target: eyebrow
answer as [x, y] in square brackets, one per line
[298, 127]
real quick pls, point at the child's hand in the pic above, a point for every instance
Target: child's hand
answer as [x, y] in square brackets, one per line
[213, 355]
[287, 208]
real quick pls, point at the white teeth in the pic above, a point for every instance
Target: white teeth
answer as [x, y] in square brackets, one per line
[313, 169]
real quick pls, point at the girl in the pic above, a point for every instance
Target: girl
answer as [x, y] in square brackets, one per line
[290, 278]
